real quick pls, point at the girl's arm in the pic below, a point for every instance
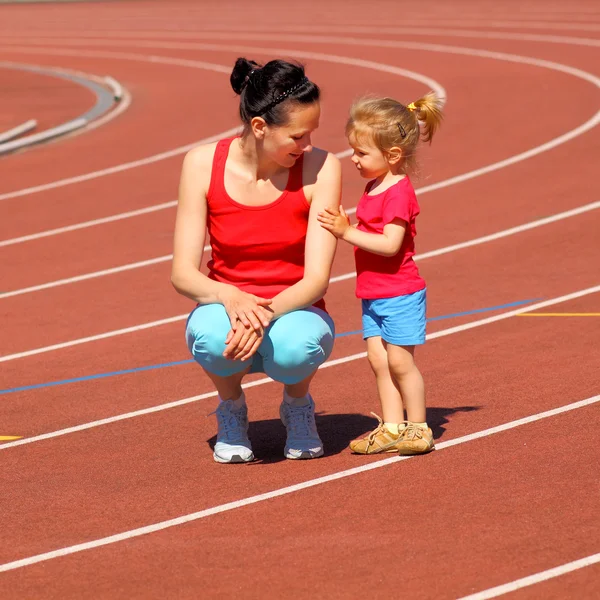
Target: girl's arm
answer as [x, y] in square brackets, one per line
[320, 245]
[190, 234]
[387, 243]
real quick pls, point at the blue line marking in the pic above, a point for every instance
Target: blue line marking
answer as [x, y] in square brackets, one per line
[489, 309]
[191, 360]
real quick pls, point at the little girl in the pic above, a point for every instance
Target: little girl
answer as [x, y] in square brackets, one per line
[384, 135]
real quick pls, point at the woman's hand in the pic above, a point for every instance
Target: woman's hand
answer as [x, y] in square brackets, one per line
[245, 309]
[243, 343]
[335, 221]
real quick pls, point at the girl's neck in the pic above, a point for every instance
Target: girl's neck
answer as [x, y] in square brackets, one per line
[385, 181]
[249, 154]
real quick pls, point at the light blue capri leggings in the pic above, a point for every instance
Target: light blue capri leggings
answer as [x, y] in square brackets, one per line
[293, 347]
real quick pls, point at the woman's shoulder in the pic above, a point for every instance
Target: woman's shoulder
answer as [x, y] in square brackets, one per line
[319, 164]
[201, 156]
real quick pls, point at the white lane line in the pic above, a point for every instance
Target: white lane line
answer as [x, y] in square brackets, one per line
[25, 127]
[349, 29]
[460, 178]
[326, 365]
[85, 224]
[533, 579]
[409, 23]
[87, 276]
[427, 81]
[101, 110]
[425, 255]
[340, 40]
[277, 493]
[136, 163]
[337, 278]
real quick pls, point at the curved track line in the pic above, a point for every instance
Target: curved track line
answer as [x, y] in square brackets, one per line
[196, 64]
[25, 127]
[409, 22]
[435, 48]
[438, 252]
[149, 209]
[440, 185]
[416, 31]
[132, 164]
[104, 103]
[153, 528]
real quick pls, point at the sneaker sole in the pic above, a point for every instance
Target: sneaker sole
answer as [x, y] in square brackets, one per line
[415, 452]
[390, 450]
[304, 455]
[236, 459]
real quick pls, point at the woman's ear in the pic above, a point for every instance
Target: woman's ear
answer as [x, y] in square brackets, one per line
[394, 155]
[258, 124]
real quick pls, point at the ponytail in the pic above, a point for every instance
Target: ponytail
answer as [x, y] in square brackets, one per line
[428, 111]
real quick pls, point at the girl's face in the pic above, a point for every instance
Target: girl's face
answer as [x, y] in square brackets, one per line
[368, 158]
[286, 143]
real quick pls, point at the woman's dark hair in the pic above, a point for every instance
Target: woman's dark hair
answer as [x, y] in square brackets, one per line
[264, 88]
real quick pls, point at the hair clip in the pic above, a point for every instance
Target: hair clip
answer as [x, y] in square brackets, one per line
[247, 78]
[411, 106]
[402, 130]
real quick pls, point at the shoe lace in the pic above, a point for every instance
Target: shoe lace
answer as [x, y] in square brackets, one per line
[412, 432]
[231, 422]
[300, 419]
[371, 437]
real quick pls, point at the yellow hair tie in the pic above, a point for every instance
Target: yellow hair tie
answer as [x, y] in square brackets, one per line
[411, 106]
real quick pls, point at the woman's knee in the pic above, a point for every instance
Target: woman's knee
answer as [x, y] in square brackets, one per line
[206, 330]
[299, 348]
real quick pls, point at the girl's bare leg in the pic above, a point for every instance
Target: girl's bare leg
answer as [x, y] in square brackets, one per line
[408, 379]
[389, 395]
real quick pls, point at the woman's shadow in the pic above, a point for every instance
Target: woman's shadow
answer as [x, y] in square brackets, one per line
[336, 431]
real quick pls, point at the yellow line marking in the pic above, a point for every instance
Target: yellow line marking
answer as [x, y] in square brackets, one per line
[558, 315]
[7, 438]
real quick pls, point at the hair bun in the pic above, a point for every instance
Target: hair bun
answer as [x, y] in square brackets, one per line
[239, 76]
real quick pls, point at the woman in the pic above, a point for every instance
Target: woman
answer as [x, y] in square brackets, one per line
[260, 308]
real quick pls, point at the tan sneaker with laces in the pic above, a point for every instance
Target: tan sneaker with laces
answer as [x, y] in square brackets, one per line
[415, 440]
[378, 441]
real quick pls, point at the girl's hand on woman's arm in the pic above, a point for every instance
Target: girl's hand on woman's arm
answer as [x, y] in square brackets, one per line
[320, 244]
[334, 220]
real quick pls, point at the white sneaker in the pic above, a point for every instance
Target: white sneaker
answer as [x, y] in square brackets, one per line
[303, 440]
[233, 445]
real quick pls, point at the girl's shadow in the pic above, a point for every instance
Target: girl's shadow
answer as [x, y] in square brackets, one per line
[336, 431]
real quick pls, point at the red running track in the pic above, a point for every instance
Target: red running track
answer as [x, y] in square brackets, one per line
[471, 516]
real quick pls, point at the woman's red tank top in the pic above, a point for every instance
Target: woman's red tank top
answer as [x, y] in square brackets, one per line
[259, 249]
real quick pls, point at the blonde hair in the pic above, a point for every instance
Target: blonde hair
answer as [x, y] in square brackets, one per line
[388, 124]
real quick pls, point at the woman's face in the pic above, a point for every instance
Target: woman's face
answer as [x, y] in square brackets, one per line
[286, 143]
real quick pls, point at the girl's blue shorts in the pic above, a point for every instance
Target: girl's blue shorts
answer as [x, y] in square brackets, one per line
[294, 345]
[399, 320]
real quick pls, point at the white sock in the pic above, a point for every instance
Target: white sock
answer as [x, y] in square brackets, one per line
[303, 401]
[395, 428]
[237, 403]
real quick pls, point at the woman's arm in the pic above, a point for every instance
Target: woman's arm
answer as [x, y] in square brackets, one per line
[190, 231]
[190, 235]
[320, 245]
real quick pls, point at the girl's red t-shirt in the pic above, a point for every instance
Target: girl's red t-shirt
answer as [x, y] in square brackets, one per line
[388, 276]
